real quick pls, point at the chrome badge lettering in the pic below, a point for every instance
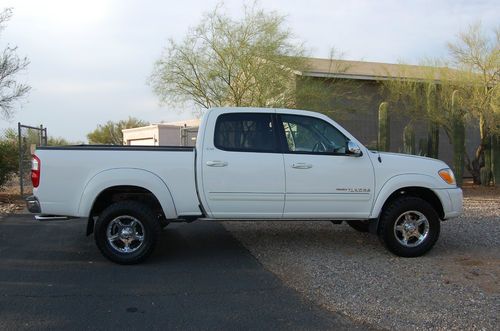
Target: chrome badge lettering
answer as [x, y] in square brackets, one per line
[353, 190]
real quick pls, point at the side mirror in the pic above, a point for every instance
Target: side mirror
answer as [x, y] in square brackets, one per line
[353, 149]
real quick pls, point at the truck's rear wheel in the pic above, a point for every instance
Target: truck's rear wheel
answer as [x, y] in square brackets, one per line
[126, 232]
[409, 227]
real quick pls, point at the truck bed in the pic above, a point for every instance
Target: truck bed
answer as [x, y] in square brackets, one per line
[67, 173]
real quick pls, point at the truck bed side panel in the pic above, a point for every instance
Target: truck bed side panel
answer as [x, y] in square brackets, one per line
[66, 172]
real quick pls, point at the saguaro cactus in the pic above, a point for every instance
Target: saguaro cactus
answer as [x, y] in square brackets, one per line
[384, 130]
[433, 130]
[433, 140]
[409, 139]
[458, 139]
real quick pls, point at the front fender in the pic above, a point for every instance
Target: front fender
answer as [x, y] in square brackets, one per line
[398, 182]
[126, 177]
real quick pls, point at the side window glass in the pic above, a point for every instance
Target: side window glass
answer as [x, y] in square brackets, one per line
[246, 132]
[306, 134]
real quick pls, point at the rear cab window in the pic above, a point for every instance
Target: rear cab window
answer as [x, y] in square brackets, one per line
[246, 132]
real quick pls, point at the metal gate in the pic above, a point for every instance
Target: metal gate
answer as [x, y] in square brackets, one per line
[28, 138]
[188, 136]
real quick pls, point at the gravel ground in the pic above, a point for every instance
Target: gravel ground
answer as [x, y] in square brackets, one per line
[454, 286]
[10, 203]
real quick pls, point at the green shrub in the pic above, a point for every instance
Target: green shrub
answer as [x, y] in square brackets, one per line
[9, 161]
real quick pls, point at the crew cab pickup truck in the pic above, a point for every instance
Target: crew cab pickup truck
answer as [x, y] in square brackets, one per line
[248, 164]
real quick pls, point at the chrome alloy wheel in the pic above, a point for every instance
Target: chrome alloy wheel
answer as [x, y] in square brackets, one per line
[411, 228]
[125, 234]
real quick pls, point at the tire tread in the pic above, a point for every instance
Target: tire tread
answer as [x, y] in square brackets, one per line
[394, 209]
[148, 219]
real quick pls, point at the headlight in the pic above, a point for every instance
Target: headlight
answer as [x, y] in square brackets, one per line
[448, 176]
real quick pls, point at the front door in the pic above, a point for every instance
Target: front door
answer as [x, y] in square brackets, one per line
[242, 166]
[322, 179]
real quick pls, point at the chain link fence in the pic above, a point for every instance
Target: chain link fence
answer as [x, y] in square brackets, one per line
[188, 136]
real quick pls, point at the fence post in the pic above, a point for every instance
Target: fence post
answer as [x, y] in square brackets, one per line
[20, 149]
[40, 136]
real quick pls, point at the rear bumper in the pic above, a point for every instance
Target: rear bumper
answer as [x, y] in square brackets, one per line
[33, 204]
[452, 201]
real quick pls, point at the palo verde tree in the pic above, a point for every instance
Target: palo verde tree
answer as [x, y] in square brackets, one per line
[227, 62]
[452, 92]
[10, 66]
[110, 133]
[10, 92]
[475, 56]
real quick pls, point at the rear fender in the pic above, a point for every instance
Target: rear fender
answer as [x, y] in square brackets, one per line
[126, 177]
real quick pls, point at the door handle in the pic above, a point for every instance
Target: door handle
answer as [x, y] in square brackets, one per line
[301, 165]
[216, 163]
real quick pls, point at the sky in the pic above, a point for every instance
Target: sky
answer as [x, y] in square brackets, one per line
[91, 59]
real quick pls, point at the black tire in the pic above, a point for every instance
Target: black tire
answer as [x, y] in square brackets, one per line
[145, 221]
[164, 223]
[395, 212]
[360, 225]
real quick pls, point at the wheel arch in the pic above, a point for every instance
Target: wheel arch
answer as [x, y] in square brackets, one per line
[420, 186]
[423, 193]
[123, 181]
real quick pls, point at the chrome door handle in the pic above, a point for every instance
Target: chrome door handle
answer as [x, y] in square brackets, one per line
[301, 165]
[216, 163]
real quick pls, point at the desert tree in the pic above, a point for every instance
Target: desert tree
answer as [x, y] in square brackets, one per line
[475, 55]
[10, 66]
[449, 92]
[223, 61]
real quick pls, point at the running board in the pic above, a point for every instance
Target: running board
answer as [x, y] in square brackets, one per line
[50, 218]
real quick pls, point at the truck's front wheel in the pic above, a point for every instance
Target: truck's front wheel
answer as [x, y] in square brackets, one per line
[126, 232]
[409, 226]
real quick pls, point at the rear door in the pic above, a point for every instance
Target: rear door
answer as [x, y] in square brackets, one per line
[322, 180]
[242, 167]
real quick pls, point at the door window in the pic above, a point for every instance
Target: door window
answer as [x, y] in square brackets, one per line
[245, 132]
[306, 134]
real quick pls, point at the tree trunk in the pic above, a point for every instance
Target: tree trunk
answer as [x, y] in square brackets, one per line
[458, 141]
[473, 168]
[485, 172]
[484, 153]
[495, 159]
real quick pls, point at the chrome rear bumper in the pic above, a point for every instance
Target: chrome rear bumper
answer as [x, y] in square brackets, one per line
[33, 204]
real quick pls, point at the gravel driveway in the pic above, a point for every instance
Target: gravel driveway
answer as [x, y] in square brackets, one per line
[455, 286]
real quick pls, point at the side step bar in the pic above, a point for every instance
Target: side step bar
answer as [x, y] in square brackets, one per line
[50, 218]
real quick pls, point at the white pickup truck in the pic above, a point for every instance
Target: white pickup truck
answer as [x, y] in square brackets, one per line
[248, 164]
